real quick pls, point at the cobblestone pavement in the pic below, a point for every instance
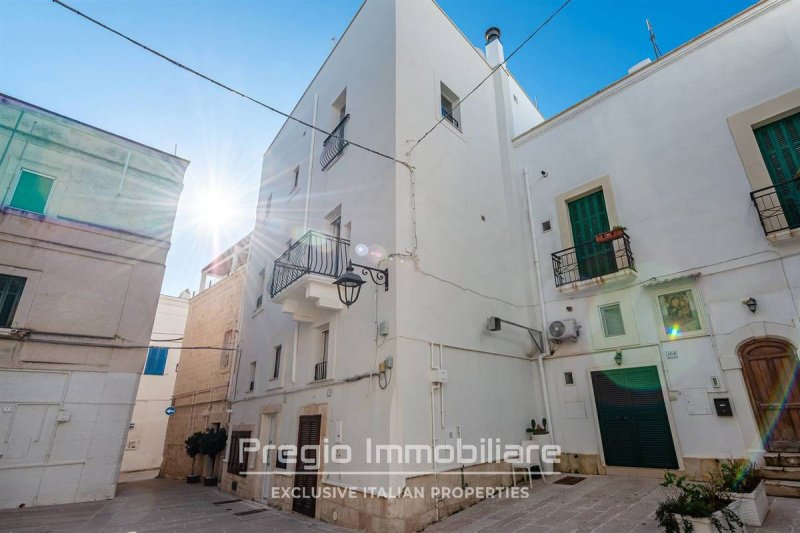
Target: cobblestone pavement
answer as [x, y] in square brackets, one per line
[596, 504]
[159, 505]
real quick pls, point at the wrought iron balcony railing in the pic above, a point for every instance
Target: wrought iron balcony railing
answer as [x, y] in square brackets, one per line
[592, 259]
[778, 206]
[334, 144]
[321, 371]
[313, 253]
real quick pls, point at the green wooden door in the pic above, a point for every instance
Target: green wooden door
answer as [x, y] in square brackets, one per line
[588, 217]
[633, 419]
[780, 146]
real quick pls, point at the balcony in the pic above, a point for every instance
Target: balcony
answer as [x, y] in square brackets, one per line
[593, 263]
[778, 209]
[302, 277]
[334, 145]
[450, 118]
[321, 371]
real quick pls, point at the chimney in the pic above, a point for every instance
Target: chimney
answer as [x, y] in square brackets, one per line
[494, 48]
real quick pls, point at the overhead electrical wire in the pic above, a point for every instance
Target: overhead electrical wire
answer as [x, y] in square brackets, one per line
[218, 83]
[495, 69]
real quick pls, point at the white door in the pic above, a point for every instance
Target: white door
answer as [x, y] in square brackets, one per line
[267, 437]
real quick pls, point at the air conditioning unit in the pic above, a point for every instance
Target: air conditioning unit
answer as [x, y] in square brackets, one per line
[564, 330]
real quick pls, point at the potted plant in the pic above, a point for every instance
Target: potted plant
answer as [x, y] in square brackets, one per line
[192, 445]
[740, 480]
[613, 234]
[212, 443]
[536, 429]
[695, 507]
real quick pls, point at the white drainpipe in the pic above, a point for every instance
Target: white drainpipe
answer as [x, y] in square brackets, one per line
[542, 308]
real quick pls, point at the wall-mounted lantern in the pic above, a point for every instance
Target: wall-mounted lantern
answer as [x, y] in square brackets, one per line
[349, 283]
[618, 358]
[751, 304]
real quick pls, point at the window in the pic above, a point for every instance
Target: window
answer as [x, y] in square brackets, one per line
[156, 361]
[296, 178]
[568, 379]
[10, 294]
[321, 368]
[779, 142]
[252, 377]
[451, 111]
[611, 319]
[340, 106]
[32, 192]
[546, 226]
[237, 461]
[276, 369]
[228, 343]
[262, 278]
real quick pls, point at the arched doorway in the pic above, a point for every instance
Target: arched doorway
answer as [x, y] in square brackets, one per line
[771, 372]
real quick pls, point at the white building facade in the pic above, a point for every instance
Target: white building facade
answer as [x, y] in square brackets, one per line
[144, 447]
[688, 340]
[310, 366]
[497, 213]
[86, 223]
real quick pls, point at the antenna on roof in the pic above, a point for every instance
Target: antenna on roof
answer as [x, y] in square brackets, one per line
[652, 33]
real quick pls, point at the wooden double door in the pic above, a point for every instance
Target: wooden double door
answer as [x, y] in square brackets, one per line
[771, 371]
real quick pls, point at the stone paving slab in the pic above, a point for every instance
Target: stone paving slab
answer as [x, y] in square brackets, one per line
[598, 504]
[156, 506]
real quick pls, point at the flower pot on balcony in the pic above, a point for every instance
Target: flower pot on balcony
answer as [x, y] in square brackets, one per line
[608, 236]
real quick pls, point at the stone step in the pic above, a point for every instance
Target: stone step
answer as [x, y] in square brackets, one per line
[785, 489]
[782, 459]
[789, 473]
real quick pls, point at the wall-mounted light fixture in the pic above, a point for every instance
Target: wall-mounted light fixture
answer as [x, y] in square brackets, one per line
[349, 283]
[618, 358]
[751, 304]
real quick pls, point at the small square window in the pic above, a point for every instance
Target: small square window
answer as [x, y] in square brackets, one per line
[611, 317]
[32, 192]
[546, 226]
[451, 111]
[568, 379]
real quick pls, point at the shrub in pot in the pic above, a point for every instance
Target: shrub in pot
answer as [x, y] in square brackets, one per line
[192, 445]
[695, 507]
[740, 480]
[212, 443]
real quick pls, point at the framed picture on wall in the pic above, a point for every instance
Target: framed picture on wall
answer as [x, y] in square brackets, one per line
[681, 313]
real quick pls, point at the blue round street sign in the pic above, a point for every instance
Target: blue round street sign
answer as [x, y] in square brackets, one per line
[170, 410]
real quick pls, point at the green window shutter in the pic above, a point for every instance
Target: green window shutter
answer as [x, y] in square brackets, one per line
[10, 295]
[588, 217]
[780, 146]
[32, 192]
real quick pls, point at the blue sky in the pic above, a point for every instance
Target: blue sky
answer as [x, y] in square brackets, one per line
[271, 49]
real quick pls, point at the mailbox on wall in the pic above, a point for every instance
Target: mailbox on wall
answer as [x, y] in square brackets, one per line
[723, 406]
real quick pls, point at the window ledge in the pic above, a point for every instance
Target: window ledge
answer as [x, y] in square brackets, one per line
[783, 235]
[618, 277]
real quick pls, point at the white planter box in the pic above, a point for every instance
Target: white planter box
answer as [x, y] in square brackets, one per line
[752, 507]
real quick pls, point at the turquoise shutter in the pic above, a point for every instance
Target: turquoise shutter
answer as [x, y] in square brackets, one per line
[156, 361]
[780, 147]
